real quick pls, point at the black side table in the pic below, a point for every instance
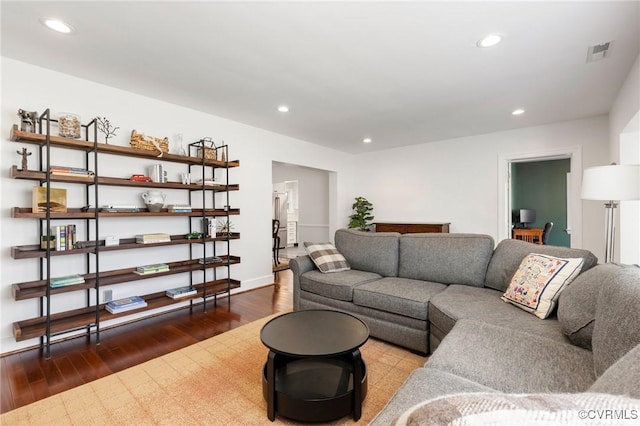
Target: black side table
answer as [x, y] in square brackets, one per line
[314, 370]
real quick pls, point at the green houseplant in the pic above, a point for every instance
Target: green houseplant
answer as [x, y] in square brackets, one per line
[361, 217]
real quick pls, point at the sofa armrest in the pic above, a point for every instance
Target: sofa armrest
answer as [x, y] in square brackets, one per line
[299, 266]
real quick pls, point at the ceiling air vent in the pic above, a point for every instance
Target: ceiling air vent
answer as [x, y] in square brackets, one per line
[599, 51]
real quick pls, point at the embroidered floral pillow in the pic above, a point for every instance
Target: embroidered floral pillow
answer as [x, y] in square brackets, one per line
[536, 285]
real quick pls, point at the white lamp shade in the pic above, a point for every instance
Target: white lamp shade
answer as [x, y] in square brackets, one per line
[611, 183]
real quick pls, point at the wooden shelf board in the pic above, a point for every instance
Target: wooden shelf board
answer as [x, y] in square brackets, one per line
[34, 289]
[34, 251]
[84, 317]
[76, 213]
[36, 175]
[18, 135]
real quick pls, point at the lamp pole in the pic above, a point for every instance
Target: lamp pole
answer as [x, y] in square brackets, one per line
[610, 230]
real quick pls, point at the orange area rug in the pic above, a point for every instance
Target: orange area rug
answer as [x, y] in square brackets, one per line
[213, 382]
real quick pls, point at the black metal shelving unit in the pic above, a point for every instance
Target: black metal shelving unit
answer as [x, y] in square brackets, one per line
[44, 128]
[208, 193]
[88, 318]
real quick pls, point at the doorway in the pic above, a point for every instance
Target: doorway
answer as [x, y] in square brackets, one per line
[573, 184]
[308, 211]
[541, 186]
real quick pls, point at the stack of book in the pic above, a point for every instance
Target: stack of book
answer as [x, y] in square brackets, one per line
[208, 182]
[153, 238]
[113, 208]
[180, 292]
[208, 260]
[66, 281]
[70, 171]
[179, 208]
[151, 269]
[126, 304]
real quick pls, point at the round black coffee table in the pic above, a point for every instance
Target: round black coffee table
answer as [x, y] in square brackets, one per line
[314, 370]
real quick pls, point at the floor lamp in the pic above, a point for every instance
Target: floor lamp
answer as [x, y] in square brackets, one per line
[611, 184]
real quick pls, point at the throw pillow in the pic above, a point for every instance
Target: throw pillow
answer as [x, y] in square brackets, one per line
[326, 257]
[536, 285]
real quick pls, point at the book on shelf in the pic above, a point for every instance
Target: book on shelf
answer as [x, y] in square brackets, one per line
[57, 200]
[179, 208]
[208, 260]
[66, 281]
[208, 182]
[65, 237]
[126, 304]
[180, 292]
[153, 238]
[70, 171]
[151, 269]
[115, 208]
[71, 237]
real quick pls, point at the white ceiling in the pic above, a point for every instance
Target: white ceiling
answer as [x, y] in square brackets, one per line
[401, 73]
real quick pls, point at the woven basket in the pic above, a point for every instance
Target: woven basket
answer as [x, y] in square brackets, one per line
[209, 153]
[148, 143]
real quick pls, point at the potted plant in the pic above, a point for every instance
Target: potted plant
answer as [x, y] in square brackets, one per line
[361, 217]
[48, 239]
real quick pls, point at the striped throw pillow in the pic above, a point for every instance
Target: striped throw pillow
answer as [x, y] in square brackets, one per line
[326, 257]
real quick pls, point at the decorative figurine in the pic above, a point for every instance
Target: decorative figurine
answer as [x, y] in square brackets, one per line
[28, 120]
[104, 125]
[24, 154]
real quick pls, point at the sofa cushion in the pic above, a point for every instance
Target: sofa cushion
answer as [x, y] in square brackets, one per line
[445, 258]
[507, 360]
[397, 295]
[536, 285]
[336, 286]
[623, 377]
[577, 304]
[484, 305]
[509, 254]
[369, 251]
[528, 409]
[326, 258]
[617, 326]
[423, 384]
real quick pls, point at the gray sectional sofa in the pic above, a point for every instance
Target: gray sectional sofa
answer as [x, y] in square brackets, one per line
[440, 294]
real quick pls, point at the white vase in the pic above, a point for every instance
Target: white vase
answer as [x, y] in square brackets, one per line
[154, 200]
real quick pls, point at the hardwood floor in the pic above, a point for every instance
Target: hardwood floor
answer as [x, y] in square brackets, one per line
[28, 377]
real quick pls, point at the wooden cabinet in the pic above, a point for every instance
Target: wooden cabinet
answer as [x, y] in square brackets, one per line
[412, 228]
[201, 276]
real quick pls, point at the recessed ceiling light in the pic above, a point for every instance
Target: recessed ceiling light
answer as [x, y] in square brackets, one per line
[518, 111]
[490, 40]
[283, 108]
[366, 140]
[57, 25]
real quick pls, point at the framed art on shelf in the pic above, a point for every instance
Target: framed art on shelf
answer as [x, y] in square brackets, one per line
[57, 200]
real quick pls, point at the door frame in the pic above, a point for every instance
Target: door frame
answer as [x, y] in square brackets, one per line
[574, 182]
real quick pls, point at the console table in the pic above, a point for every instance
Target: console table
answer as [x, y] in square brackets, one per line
[412, 228]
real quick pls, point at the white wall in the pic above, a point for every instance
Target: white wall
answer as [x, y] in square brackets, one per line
[625, 107]
[624, 140]
[34, 88]
[457, 180]
[313, 202]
